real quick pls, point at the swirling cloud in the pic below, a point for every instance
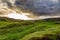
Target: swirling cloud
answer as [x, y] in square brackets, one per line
[36, 6]
[45, 6]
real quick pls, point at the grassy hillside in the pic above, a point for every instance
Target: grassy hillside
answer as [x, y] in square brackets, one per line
[48, 29]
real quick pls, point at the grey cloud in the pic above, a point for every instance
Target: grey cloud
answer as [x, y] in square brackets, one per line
[39, 7]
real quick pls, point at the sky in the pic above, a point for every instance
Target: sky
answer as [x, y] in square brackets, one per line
[44, 7]
[21, 16]
[37, 7]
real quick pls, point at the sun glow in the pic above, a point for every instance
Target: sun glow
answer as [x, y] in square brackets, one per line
[21, 16]
[14, 13]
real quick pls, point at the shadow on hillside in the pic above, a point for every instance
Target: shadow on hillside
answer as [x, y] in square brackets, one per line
[47, 37]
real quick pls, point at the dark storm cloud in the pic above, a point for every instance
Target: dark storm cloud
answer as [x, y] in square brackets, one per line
[24, 4]
[39, 7]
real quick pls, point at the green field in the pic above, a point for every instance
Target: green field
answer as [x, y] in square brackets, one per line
[29, 30]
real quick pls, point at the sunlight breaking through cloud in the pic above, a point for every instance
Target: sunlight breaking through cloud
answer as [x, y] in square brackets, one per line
[21, 16]
[38, 9]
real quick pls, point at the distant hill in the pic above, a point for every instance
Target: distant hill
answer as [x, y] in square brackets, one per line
[11, 19]
[46, 29]
[8, 19]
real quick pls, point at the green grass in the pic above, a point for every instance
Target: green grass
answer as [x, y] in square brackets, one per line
[27, 30]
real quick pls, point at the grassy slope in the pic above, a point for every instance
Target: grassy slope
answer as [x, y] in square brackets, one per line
[26, 30]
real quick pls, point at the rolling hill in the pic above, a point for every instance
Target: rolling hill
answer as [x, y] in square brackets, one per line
[47, 29]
